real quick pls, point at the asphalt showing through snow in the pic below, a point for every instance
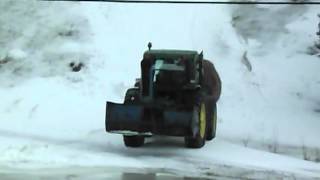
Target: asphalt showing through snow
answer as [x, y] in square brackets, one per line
[91, 173]
[113, 176]
[121, 173]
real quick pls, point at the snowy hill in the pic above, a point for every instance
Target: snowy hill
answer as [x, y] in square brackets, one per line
[52, 113]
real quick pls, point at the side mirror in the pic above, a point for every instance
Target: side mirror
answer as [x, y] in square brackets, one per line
[200, 66]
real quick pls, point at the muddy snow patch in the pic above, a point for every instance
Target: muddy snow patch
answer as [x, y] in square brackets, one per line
[256, 22]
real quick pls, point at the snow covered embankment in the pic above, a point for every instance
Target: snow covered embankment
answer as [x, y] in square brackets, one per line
[279, 98]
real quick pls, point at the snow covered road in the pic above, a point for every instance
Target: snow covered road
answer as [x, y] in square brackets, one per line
[100, 152]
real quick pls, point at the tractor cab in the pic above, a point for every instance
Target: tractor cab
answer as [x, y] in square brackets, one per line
[165, 73]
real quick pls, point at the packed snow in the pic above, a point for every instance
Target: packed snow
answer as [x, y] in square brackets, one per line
[61, 61]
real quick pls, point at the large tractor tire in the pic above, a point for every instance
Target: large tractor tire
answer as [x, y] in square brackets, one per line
[212, 122]
[133, 141]
[199, 139]
[132, 96]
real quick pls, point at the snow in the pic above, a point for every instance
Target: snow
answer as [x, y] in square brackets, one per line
[52, 117]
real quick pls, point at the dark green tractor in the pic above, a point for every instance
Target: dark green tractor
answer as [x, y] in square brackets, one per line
[175, 96]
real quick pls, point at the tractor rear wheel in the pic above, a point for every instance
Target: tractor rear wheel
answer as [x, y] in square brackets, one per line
[132, 96]
[198, 140]
[133, 141]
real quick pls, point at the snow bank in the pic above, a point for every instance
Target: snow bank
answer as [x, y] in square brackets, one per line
[40, 39]
[275, 103]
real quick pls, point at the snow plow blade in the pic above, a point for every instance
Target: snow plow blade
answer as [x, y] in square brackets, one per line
[138, 119]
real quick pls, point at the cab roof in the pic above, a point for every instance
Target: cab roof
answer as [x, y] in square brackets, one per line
[174, 54]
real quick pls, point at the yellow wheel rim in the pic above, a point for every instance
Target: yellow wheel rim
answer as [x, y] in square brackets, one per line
[202, 120]
[215, 119]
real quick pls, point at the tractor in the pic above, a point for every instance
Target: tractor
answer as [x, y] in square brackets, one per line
[176, 95]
